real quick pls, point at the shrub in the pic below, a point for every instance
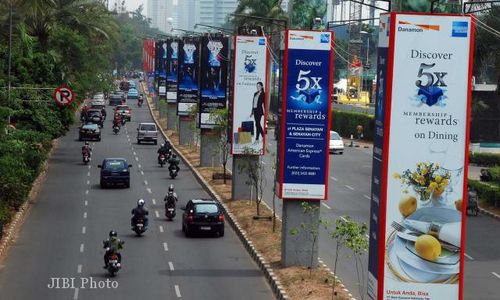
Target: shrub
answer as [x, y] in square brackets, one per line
[495, 174]
[485, 159]
[15, 180]
[488, 192]
[345, 123]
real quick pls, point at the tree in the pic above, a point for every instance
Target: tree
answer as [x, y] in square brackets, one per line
[256, 175]
[305, 11]
[311, 228]
[220, 118]
[351, 235]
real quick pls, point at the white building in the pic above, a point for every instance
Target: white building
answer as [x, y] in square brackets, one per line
[159, 11]
[340, 10]
[208, 12]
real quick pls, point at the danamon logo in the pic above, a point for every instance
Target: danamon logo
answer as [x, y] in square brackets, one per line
[298, 37]
[416, 27]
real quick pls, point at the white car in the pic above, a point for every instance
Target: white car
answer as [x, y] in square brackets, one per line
[336, 143]
[98, 99]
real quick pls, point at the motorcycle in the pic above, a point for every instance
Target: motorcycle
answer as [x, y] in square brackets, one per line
[170, 209]
[173, 171]
[162, 160]
[139, 227]
[86, 158]
[116, 129]
[113, 265]
[139, 102]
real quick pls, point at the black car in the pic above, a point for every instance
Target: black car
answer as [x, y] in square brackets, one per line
[202, 215]
[89, 131]
[115, 171]
[95, 116]
[116, 99]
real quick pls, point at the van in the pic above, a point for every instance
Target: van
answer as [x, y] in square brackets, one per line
[147, 132]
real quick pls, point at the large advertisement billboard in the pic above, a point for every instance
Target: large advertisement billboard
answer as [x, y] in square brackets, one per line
[188, 68]
[214, 63]
[162, 61]
[171, 69]
[424, 170]
[249, 109]
[306, 114]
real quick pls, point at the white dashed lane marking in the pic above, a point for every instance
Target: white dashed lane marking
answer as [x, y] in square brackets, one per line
[171, 266]
[154, 201]
[325, 205]
[145, 182]
[349, 187]
[86, 192]
[84, 230]
[135, 154]
[165, 246]
[367, 197]
[75, 295]
[88, 182]
[142, 172]
[161, 230]
[139, 165]
[177, 291]
[85, 215]
[468, 256]
[86, 203]
[149, 190]
[82, 247]
[88, 173]
[79, 269]
[157, 214]
[333, 178]
[136, 159]
[496, 275]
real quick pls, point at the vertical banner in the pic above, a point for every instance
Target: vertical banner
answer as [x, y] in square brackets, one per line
[306, 114]
[424, 170]
[162, 75]
[249, 94]
[378, 150]
[214, 62]
[151, 66]
[188, 68]
[158, 54]
[171, 66]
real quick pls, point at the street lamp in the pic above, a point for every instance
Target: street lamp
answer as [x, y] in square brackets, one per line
[367, 47]
[213, 27]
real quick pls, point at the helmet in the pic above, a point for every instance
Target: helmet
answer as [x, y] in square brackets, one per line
[171, 188]
[86, 143]
[140, 202]
[162, 145]
[113, 233]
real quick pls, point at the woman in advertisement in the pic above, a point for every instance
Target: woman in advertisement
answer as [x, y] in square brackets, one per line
[258, 110]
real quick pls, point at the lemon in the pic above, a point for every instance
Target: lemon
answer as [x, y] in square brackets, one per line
[428, 247]
[458, 204]
[407, 205]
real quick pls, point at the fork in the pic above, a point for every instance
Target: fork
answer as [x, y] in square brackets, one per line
[403, 229]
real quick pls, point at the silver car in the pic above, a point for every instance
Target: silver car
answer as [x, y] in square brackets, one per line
[147, 132]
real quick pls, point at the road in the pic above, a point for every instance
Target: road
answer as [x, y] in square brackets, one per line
[63, 234]
[348, 195]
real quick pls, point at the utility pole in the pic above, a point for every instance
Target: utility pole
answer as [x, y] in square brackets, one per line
[10, 53]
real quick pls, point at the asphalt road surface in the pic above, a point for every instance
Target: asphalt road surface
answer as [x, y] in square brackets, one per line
[349, 195]
[63, 234]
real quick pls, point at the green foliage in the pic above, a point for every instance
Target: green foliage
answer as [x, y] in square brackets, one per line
[489, 192]
[220, 117]
[15, 181]
[495, 174]
[485, 159]
[305, 11]
[345, 123]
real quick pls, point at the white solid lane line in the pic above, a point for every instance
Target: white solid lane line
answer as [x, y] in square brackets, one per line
[165, 246]
[82, 247]
[349, 187]
[171, 266]
[496, 275]
[333, 178]
[75, 296]
[79, 269]
[177, 291]
[468, 256]
[367, 197]
[161, 230]
[84, 230]
[157, 214]
[325, 205]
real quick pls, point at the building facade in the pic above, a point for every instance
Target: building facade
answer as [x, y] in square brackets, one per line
[208, 12]
[160, 11]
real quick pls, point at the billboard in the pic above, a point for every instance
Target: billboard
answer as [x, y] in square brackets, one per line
[171, 69]
[188, 68]
[425, 123]
[249, 109]
[306, 114]
[213, 83]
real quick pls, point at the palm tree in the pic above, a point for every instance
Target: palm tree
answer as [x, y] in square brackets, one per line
[260, 8]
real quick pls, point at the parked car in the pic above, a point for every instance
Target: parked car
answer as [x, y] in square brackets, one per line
[95, 116]
[336, 143]
[115, 171]
[89, 131]
[124, 111]
[147, 132]
[202, 215]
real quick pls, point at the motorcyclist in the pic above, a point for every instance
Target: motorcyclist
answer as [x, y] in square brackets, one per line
[112, 245]
[141, 99]
[117, 119]
[171, 195]
[174, 163]
[140, 212]
[103, 112]
[86, 149]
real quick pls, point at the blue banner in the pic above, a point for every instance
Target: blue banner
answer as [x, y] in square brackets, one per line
[188, 77]
[306, 125]
[171, 69]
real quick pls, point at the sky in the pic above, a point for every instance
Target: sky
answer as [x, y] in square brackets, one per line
[134, 4]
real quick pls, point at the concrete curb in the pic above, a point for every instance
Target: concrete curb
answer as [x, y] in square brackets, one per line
[13, 228]
[273, 281]
[489, 213]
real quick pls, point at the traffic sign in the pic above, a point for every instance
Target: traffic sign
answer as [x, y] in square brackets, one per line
[63, 95]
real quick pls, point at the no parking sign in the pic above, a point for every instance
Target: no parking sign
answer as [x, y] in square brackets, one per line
[63, 95]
